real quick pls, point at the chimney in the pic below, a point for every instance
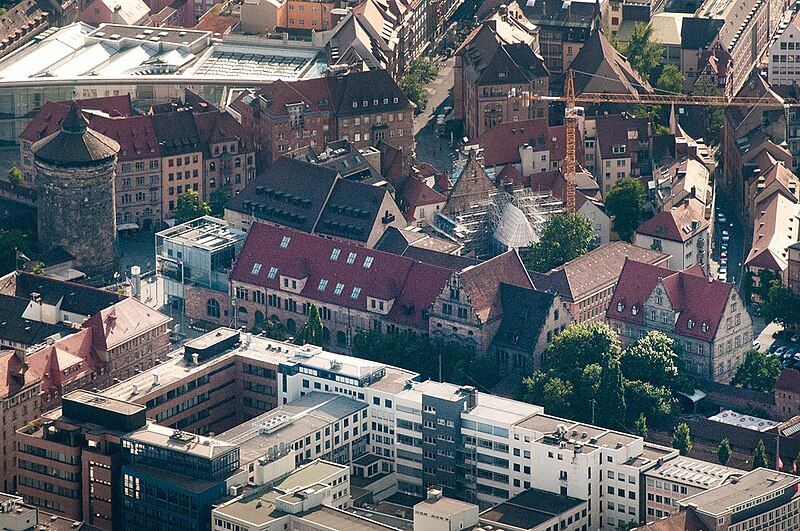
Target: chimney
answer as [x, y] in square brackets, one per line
[434, 495]
[195, 359]
[155, 380]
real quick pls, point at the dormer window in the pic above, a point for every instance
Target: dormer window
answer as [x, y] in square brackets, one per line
[351, 258]
[690, 324]
[618, 150]
[322, 285]
[704, 327]
[335, 254]
[634, 310]
[620, 307]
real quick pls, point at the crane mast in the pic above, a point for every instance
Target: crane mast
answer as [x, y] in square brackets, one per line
[570, 123]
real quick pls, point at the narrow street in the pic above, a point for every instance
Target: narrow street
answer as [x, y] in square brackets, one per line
[431, 147]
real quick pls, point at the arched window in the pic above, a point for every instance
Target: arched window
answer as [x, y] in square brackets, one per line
[258, 320]
[212, 308]
[291, 326]
[326, 335]
[341, 339]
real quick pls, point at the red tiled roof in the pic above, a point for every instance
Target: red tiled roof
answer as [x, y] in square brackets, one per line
[413, 286]
[501, 143]
[48, 119]
[789, 381]
[312, 92]
[50, 362]
[416, 194]
[620, 130]
[693, 296]
[682, 521]
[13, 375]
[677, 223]
[511, 176]
[482, 283]
[122, 322]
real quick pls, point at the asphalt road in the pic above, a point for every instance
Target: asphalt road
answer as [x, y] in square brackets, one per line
[432, 147]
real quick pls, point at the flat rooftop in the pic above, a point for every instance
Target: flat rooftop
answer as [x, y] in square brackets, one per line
[212, 338]
[337, 519]
[289, 423]
[118, 52]
[759, 482]
[205, 233]
[694, 472]
[318, 471]
[106, 403]
[744, 421]
[530, 509]
[443, 506]
[180, 441]
[256, 507]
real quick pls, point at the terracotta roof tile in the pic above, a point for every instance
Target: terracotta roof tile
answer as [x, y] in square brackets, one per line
[679, 224]
[695, 298]
[482, 283]
[413, 286]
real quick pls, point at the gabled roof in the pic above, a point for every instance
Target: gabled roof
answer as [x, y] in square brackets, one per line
[412, 285]
[423, 248]
[176, 133]
[775, 228]
[699, 302]
[375, 88]
[48, 119]
[600, 68]
[417, 194]
[512, 63]
[482, 283]
[289, 192]
[351, 210]
[13, 374]
[620, 130]
[75, 144]
[216, 126]
[15, 328]
[119, 323]
[501, 143]
[678, 224]
[685, 520]
[525, 313]
[594, 270]
[129, 11]
[697, 33]
[74, 298]
[473, 187]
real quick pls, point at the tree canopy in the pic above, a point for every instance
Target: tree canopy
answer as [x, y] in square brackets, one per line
[564, 237]
[311, 332]
[12, 240]
[190, 207]
[643, 54]
[682, 439]
[218, 200]
[758, 372]
[611, 395]
[652, 358]
[724, 451]
[781, 305]
[421, 72]
[15, 176]
[671, 80]
[625, 203]
[580, 345]
[760, 456]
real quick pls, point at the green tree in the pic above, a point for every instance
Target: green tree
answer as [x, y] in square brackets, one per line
[563, 238]
[38, 268]
[15, 176]
[190, 207]
[682, 439]
[713, 116]
[652, 359]
[311, 332]
[625, 203]
[580, 345]
[611, 395]
[760, 456]
[218, 200]
[644, 398]
[671, 80]
[584, 390]
[643, 54]
[640, 426]
[780, 305]
[758, 372]
[274, 329]
[724, 451]
[552, 392]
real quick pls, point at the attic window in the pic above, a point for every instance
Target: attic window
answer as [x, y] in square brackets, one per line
[256, 269]
[620, 307]
[355, 104]
[501, 74]
[704, 327]
[395, 100]
[335, 254]
[367, 262]
[375, 102]
[690, 324]
[365, 103]
[273, 271]
[634, 310]
[356, 292]
[618, 150]
[285, 242]
[385, 101]
[338, 289]
[322, 284]
[351, 258]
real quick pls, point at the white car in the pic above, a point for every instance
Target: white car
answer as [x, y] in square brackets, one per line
[725, 237]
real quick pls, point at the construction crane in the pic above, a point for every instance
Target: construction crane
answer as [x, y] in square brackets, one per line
[571, 100]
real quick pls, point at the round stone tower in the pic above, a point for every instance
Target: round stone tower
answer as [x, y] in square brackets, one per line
[75, 187]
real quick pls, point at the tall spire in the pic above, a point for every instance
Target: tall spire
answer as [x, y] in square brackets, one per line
[75, 122]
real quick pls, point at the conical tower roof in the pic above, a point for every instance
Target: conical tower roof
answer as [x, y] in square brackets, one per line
[75, 144]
